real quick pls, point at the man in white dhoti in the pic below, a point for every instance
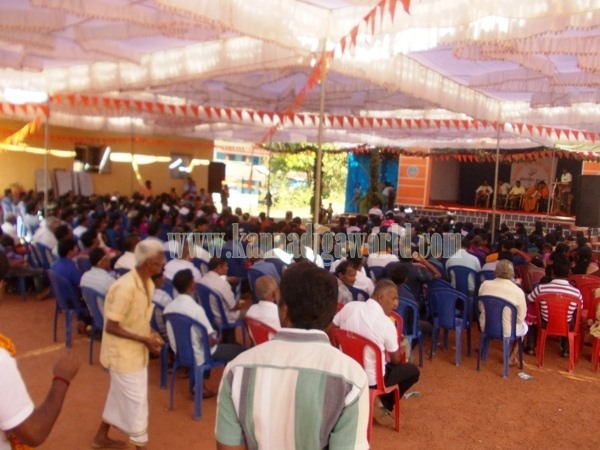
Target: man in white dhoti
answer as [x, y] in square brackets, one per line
[126, 342]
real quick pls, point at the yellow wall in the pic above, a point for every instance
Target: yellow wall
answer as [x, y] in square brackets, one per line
[20, 167]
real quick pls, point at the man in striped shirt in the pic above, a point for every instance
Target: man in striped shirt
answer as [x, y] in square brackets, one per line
[296, 390]
[559, 285]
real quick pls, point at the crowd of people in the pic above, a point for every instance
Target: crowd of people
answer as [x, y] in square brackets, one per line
[120, 247]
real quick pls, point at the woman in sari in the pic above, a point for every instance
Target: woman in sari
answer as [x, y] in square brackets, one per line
[530, 198]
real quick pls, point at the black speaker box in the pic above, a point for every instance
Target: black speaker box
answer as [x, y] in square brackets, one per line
[216, 176]
[587, 212]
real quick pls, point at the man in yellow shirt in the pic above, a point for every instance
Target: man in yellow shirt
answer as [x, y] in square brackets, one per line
[126, 342]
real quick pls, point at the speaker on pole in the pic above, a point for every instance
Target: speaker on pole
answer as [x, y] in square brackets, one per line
[587, 212]
[216, 176]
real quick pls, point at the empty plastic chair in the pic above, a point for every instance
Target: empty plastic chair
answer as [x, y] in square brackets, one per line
[95, 303]
[409, 311]
[67, 300]
[450, 310]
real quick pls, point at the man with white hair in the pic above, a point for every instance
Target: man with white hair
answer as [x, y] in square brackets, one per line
[127, 341]
[9, 227]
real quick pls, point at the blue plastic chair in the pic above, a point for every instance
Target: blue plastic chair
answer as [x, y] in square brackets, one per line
[375, 273]
[460, 275]
[164, 350]
[450, 310]
[461, 278]
[83, 264]
[485, 275]
[121, 271]
[212, 301]
[201, 265]
[494, 308]
[95, 303]
[253, 275]
[45, 255]
[181, 326]
[279, 265]
[408, 309]
[358, 294]
[168, 287]
[65, 297]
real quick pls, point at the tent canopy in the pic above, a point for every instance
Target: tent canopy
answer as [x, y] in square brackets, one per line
[447, 74]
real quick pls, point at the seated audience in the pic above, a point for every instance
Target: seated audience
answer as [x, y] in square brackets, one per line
[98, 277]
[266, 310]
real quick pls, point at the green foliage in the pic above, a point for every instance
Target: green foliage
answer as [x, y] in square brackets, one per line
[291, 162]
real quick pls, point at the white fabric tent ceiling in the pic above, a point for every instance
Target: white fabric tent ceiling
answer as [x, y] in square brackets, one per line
[533, 63]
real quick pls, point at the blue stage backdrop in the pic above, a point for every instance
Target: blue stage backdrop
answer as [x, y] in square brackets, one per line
[358, 176]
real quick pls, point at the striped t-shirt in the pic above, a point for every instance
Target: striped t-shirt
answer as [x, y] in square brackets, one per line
[557, 286]
[294, 391]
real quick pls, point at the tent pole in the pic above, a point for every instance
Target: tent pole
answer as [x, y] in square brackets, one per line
[46, 148]
[496, 182]
[552, 186]
[268, 197]
[319, 158]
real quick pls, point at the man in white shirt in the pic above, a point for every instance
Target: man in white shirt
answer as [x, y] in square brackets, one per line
[98, 278]
[45, 233]
[184, 303]
[266, 310]
[566, 177]
[9, 227]
[127, 259]
[185, 262]
[515, 195]
[463, 258]
[482, 194]
[216, 279]
[370, 319]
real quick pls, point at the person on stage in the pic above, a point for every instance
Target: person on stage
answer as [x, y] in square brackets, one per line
[566, 177]
[482, 194]
[514, 196]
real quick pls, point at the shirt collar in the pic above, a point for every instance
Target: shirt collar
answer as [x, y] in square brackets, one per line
[301, 335]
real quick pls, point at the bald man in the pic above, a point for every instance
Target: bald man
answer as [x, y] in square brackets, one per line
[266, 309]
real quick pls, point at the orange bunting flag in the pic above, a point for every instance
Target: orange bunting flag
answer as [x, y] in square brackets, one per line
[406, 5]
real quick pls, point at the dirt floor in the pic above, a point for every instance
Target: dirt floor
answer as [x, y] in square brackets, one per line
[459, 407]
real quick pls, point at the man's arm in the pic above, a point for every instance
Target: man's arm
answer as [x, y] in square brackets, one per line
[154, 342]
[36, 428]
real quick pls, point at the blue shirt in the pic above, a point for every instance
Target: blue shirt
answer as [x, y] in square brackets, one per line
[67, 269]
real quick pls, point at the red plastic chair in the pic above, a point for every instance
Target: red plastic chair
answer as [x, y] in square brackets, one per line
[557, 306]
[355, 345]
[596, 341]
[587, 285]
[399, 324]
[259, 331]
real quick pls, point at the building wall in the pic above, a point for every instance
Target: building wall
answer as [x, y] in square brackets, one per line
[20, 167]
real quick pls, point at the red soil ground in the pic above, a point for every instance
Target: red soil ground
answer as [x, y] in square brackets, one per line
[459, 407]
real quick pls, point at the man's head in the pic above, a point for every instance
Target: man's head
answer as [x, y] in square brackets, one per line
[309, 296]
[266, 289]
[346, 273]
[397, 272]
[386, 294]
[99, 258]
[561, 267]
[518, 184]
[504, 269]
[67, 248]
[149, 257]
[183, 281]
[218, 265]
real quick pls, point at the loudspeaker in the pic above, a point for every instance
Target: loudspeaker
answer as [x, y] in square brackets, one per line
[587, 213]
[216, 176]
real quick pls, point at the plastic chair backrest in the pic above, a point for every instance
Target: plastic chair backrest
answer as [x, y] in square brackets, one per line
[201, 265]
[399, 324]
[95, 303]
[64, 292]
[443, 307]
[34, 258]
[376, 273]
[45, 255]
[494, 309]
[278, 263]
[259, 332]
[168, 287]
[212, 306]
[409, 310]
[461, 278]
[355, 345]
[358, 294]
[181, 325]
[557, 307]
[587, 285]
[158, 309]
[485, 275]
[121, 271]
[83, 264]
[253, 275]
